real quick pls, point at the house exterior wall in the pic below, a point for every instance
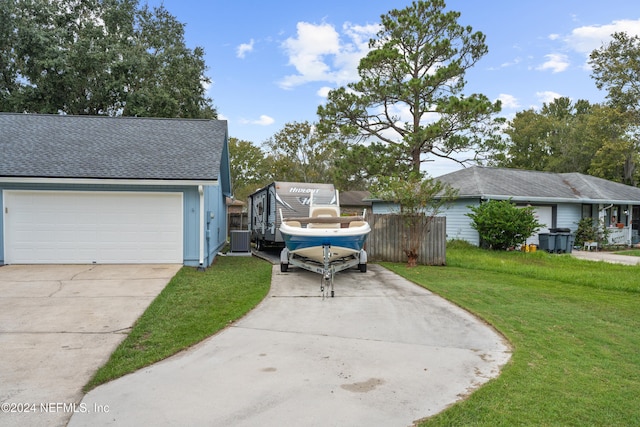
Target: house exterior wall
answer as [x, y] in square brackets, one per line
[191, 212]
[383, 208]
[569, 214]
[565, 215]
[458, 224]
[215, 227]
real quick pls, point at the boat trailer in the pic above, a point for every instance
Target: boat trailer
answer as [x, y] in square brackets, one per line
[327, 269]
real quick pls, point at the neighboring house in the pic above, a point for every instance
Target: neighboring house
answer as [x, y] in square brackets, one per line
[353, 202]
[560, 200]
[87, 189]
[236, 214]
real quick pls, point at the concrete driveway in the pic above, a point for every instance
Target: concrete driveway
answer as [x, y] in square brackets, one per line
[610, 257]
[58, 325]
[383, 352]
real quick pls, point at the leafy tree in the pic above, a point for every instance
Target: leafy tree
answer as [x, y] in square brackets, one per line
[171, 79]
[616, 68]
[502, 225]
[416, 64]
[553, 139]
[357, 166]
[249, 167]
[617, 155]
[526, 146]
[105, 57]
[298, 153]
[419, 200]
[9, 84]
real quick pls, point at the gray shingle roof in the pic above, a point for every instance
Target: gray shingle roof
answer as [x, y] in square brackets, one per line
[498, 183]
[56, 146]
[355, 198]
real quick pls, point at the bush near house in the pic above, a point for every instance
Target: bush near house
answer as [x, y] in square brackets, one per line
[590, 231]
[501, 225]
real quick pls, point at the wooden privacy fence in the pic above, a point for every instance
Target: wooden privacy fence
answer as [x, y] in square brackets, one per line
[385, 240]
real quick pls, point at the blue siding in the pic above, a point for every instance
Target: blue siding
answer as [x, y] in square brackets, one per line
[216, 227]
[192, 227]
[458, 224]
[214, 201]
[383, 208]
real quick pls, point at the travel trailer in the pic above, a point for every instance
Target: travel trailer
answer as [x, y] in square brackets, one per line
[292, 198]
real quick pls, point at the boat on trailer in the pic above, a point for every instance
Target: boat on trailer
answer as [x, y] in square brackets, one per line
[324, 242]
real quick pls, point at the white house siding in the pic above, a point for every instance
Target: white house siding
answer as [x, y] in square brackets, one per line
[569, 215]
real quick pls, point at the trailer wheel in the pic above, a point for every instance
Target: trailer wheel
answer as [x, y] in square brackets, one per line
[284, 267]
[362, 268]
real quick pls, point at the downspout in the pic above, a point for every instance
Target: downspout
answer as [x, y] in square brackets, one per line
[201, 258]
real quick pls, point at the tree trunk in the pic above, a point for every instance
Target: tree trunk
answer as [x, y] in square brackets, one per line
[412, 257]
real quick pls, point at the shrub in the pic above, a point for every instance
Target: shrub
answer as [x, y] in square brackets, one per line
[591, 231]
[502, 225]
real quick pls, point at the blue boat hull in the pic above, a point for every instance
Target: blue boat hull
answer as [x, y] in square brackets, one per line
[311, 246]
[295, 243]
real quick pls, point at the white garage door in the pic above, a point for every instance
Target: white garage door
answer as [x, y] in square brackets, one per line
[544, 215]
[57, 227]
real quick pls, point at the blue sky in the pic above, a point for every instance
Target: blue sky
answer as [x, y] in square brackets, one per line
[273, 62]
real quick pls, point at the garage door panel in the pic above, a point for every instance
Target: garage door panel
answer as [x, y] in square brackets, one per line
[88, 227]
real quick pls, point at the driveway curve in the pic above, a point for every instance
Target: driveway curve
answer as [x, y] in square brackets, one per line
[384, 351]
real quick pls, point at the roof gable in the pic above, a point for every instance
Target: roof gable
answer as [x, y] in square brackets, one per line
[58, 146]
[499, 183]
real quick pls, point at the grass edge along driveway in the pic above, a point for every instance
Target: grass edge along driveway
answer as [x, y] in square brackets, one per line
[573, 325]
[193, 306]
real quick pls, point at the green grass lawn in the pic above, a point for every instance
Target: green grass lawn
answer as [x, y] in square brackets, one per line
[630, 252]
[193, 306]
[575, 330]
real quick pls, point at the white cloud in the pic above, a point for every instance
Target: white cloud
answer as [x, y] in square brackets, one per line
[244, 48]
[264, 120]
[556, 62]
[320, 53]
[323, 92]
[588, 38]
[516, 61]
[508, 101]
[547, 96]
